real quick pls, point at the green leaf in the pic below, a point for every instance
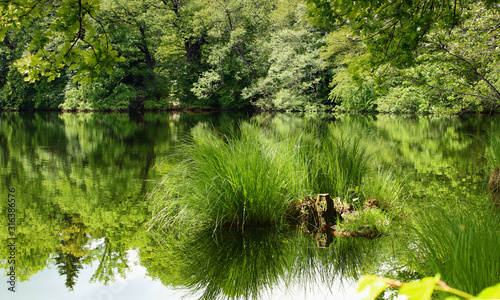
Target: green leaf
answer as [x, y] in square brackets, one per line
[452, 298]
[372, 285]
[73, 67]
[2, 34]
[492, 292]
[421, 290]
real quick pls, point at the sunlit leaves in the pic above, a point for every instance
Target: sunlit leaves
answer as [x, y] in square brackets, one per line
[456, 70]
[472, 52]
[403, 35]
[492, 292]
[371, 286]
[72, 36]
[293, 73]
[421, 289]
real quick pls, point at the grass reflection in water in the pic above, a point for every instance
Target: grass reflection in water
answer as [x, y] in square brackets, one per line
[250, 264]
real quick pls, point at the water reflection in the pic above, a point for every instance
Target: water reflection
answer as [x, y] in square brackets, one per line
[81, 178]
[82, 182]
[249, 265]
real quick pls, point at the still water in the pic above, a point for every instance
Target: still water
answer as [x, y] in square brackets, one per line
[75, 210]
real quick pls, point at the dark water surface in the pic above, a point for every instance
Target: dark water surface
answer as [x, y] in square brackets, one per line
[76, 187]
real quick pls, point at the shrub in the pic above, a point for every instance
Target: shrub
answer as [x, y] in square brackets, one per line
[353, 96]
[407, 100]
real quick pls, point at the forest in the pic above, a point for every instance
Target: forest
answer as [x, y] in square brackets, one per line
[399, 56]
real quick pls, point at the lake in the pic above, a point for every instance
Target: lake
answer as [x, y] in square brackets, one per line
[77, 186]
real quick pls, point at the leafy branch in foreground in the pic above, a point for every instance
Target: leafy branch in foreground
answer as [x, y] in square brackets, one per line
[68, 34]
[370, 286]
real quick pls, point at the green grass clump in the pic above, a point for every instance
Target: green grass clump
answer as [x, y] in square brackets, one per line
[387, 189]
[336, 160]
[369, 222]
[461, 245]
[255, 176]
[250, 179]
[493, 147]
[493, 157]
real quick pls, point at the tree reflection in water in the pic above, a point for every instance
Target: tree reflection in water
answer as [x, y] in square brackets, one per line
[81, 182]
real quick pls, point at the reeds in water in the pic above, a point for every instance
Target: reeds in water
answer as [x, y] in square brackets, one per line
[493, 157]
[255, 176]
[250, 179]
[336, 160]
[462, 245]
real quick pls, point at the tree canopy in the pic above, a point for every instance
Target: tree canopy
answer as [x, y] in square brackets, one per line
[419, 56]
[64, 34]
[448, 46]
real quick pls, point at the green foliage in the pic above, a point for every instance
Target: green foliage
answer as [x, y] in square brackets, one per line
[15, 93]
[123, 95]
[296, 78]
[424, 57]
[403, 56]
[236, 181]
[352, 95]
[102, 94]
[371, 286]
[407, 100]
[264, 53]
[454, 71]
[19, 95]
[352, 89]
[86, 97]
[232, 29]
[70, 36]
[395, 29]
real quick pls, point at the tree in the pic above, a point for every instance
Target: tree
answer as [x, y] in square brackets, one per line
[133, 33]
[469, 54]
[68, 34]
[233, 27]
[393, 30]
[179, 53]
[447, 46]
[295, 77]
